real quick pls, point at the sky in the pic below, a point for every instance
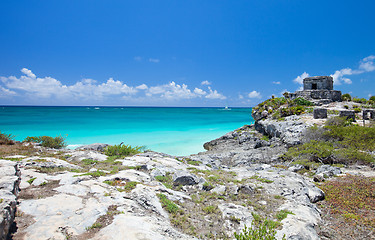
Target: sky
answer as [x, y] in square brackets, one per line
[210, 53]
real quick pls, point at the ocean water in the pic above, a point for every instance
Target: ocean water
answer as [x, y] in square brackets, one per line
[176, 131]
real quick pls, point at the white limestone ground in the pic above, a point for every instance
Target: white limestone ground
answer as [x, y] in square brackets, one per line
[70, 208]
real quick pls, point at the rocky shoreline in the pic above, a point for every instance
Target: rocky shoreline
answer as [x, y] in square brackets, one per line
[209, 195]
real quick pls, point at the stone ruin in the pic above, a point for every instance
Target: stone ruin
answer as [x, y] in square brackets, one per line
[318, 89]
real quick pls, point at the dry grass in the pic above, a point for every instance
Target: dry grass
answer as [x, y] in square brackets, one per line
[17, 149]
[349, 209]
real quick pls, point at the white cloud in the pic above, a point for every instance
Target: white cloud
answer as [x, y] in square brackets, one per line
[6, 92]
[199, 92]
[254, 94]
[365, 65]
[47, 87]
[338, 76]
[215, 95]
[138, 58]
[240, 96]
[34, 88]
[142, 87]
[154, 60]
[277, 83]
[171, 91]
[300, 78]
[28, 72]
[206, 83]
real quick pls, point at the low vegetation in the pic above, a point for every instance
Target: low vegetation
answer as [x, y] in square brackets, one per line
[339, 141]
[6, 139]
[49, 142]
[350, 200]
[261, 229]
[282, 107]
[122, 150]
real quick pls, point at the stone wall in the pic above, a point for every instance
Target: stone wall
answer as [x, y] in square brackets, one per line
[318, 83]
[330, 95]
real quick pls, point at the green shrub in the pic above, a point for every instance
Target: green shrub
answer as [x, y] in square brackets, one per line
[47, 141]
[6, 139]
[282, 214]
[346, 106]
[170, 206]
[302, 102]
[210, 209]
[357, 110]
[360, 100]
[372, 98]
[122, 150]
[346, 97]
[260, 230]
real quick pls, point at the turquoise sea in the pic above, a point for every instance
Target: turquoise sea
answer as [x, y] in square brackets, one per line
[176, 131]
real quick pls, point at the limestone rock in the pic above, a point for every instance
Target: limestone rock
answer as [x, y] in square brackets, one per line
[9, 188]
[328, 171]
[185, 178]
[95, 147]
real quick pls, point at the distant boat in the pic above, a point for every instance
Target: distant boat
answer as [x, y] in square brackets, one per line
[226, 108]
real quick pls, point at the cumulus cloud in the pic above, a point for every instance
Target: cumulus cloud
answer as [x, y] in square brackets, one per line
[365, 65]
[154, 60]
[47, 87]
[6, 92]
[341, 76]
[215, 95]
[254, 94]
[33, 87]
[199, 92]
[142, 87]
[277, 83]
[28, 72]
[300, 78]
[206, 83]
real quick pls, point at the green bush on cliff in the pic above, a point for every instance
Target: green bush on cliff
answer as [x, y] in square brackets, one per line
[360, 100]
[123, 150]
[338, 141]
[346, 97]
[47, 141]
[302, 102]
[260, 230]
[6, 138]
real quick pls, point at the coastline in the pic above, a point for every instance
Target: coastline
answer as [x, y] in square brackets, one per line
[211, 194]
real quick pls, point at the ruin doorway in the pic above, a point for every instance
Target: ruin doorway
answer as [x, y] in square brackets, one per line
[314, 86]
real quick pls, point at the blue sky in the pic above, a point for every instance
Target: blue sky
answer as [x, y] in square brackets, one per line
[180, 53]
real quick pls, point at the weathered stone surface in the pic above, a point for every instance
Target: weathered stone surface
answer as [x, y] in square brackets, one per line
[289, 131]
[95, 146]
[185, 178]
[9, 188]
[368, 114]
[320, 113]
[318, 83]
[139, 228]
[328, 170]
[296, 168]
[348, 114]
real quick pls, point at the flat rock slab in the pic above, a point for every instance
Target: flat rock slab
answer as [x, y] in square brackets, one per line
[137, 228]
[62, 210]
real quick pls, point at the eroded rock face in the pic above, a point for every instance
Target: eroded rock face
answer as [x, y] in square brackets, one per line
[95, 147]
[9, 188]
[184, 178]
[290, 131]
